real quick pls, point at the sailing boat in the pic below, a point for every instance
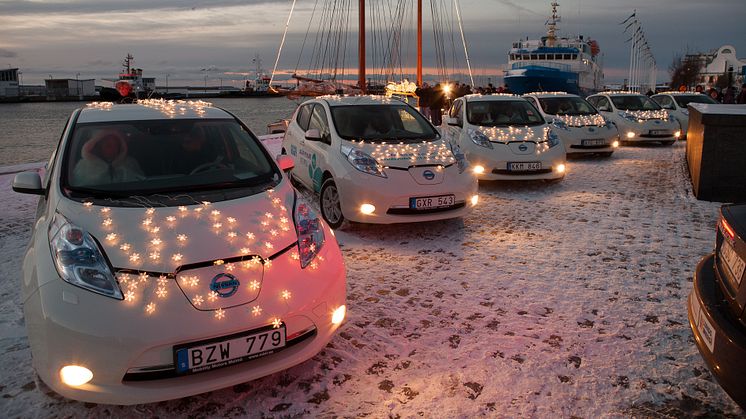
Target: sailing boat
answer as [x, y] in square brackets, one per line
[327, 73]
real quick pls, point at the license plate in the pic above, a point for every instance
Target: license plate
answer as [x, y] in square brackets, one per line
[524, 166]
[228, 350]
[429, 202]
[734, 262]
[704, 327]
[595, 141]
[659, 132]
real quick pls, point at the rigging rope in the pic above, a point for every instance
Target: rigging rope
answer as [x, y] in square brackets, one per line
[279, 51]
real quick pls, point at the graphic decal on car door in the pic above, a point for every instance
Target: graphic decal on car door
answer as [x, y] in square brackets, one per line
[315, 174]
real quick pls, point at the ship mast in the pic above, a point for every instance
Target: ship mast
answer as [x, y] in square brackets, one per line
[552, 25]
[126, 63]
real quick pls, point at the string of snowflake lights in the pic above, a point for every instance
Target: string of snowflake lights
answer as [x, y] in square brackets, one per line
[165, 246]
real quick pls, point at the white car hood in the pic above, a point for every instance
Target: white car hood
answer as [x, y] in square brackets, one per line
[166, 239]
[406, 155]
[645, 115]
[574, 121]
[513, 134]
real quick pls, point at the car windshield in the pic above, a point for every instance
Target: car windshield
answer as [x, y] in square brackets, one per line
[566, 105]
[635, 103]
[379, 123]
[684, 100]
[120, 159]
[495, 113]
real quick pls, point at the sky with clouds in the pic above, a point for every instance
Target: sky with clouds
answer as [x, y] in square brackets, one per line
[193, 40]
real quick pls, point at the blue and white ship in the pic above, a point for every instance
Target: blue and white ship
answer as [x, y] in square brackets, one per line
[554, 64]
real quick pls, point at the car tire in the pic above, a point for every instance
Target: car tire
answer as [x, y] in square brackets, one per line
[668, 142]
[331, 209]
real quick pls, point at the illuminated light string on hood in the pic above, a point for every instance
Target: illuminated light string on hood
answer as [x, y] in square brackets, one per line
[512, 134]
[645, 115]
[164, 243]
[577, 121]
[422, 153]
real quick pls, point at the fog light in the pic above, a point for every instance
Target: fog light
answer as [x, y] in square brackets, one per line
[474, 200]
[677, 134]
[615, 144]
[75, 375]
[478, 170]
[561, 168]
[630, 135]
[339, 315]
[367, 209]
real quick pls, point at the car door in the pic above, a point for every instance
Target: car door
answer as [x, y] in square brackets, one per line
[294, 143]
[319, 151]
[603, 104]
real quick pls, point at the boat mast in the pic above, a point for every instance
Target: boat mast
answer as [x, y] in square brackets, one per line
[419, 43]
[361, 47]
[552, 25]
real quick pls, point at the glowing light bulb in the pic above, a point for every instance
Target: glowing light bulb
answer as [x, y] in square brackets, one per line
[129, 296]
[150, 308]
[198, 300]
[254, 285]
[177, 257]
[134, 257]
[111, 237]
[256, 311]
[285, 295]
[219, 314]
[276, 323]
[161, 292]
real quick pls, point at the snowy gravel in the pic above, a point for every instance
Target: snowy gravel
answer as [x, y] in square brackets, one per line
[559, 300]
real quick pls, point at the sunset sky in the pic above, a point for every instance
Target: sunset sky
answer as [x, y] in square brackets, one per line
[191, 40]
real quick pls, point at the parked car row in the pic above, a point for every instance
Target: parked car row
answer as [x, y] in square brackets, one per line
[162, 213]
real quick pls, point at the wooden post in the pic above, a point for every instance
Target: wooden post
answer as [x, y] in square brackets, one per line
[419, 43]
[361, 47]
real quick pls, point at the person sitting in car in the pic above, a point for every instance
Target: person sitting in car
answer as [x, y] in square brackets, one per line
[104, 160]
[195, 153]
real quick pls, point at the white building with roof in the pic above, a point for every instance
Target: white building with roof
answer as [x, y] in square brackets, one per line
[722, 62]
[9, 82]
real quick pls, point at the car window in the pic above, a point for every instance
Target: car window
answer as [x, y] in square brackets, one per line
[566, 105]
[154, 157]
[664, 101]
[381, 123]
[502, 113]
[304, 115]
[601, 103]
[684, 100]
[635, 103]
[318, 121]
[532, 100]
[455, 109]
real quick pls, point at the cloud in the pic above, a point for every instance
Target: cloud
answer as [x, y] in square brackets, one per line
[81, 7]
[5, 53]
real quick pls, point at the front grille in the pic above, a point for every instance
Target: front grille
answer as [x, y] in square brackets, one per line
[410, 211]
[526, 172]
[589, 147]
[160, 372]
[669, 135]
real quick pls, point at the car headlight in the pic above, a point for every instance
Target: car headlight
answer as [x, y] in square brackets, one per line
[628, 116]
[552, 138]
[310, 232]
[459, 156]
[560, 124]
[479, 139]
[363, 162]
[79, 260]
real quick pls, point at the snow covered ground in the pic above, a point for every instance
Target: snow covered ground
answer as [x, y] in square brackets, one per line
[558, 300]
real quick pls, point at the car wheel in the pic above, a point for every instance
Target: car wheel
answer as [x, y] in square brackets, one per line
[329, 203]
[667, 142]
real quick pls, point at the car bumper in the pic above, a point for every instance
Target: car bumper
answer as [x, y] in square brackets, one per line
[495, 164]
[639, 133]
[720, 340]
[574, 141]
[391, 196]
[130, 350]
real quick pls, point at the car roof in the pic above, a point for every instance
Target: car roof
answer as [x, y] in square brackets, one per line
[150, 109]
[550, 94]
[492, 97]
[338, 100]
[618, 93]
[677, 93]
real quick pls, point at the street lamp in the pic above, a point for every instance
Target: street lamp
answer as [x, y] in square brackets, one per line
[20, 83]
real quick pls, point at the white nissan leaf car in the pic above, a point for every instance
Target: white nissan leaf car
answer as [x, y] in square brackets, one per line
[376, 160]
[504, 137]
[637, 117]
[579, 126]
[171, 256]
[676, 103]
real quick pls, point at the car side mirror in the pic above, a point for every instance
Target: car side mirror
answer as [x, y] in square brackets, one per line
[29, 183]
[285, 162]
[604, 109]
[453, 121]
[313, 135]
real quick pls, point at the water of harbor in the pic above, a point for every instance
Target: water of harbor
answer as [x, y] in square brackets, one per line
[30, 131]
